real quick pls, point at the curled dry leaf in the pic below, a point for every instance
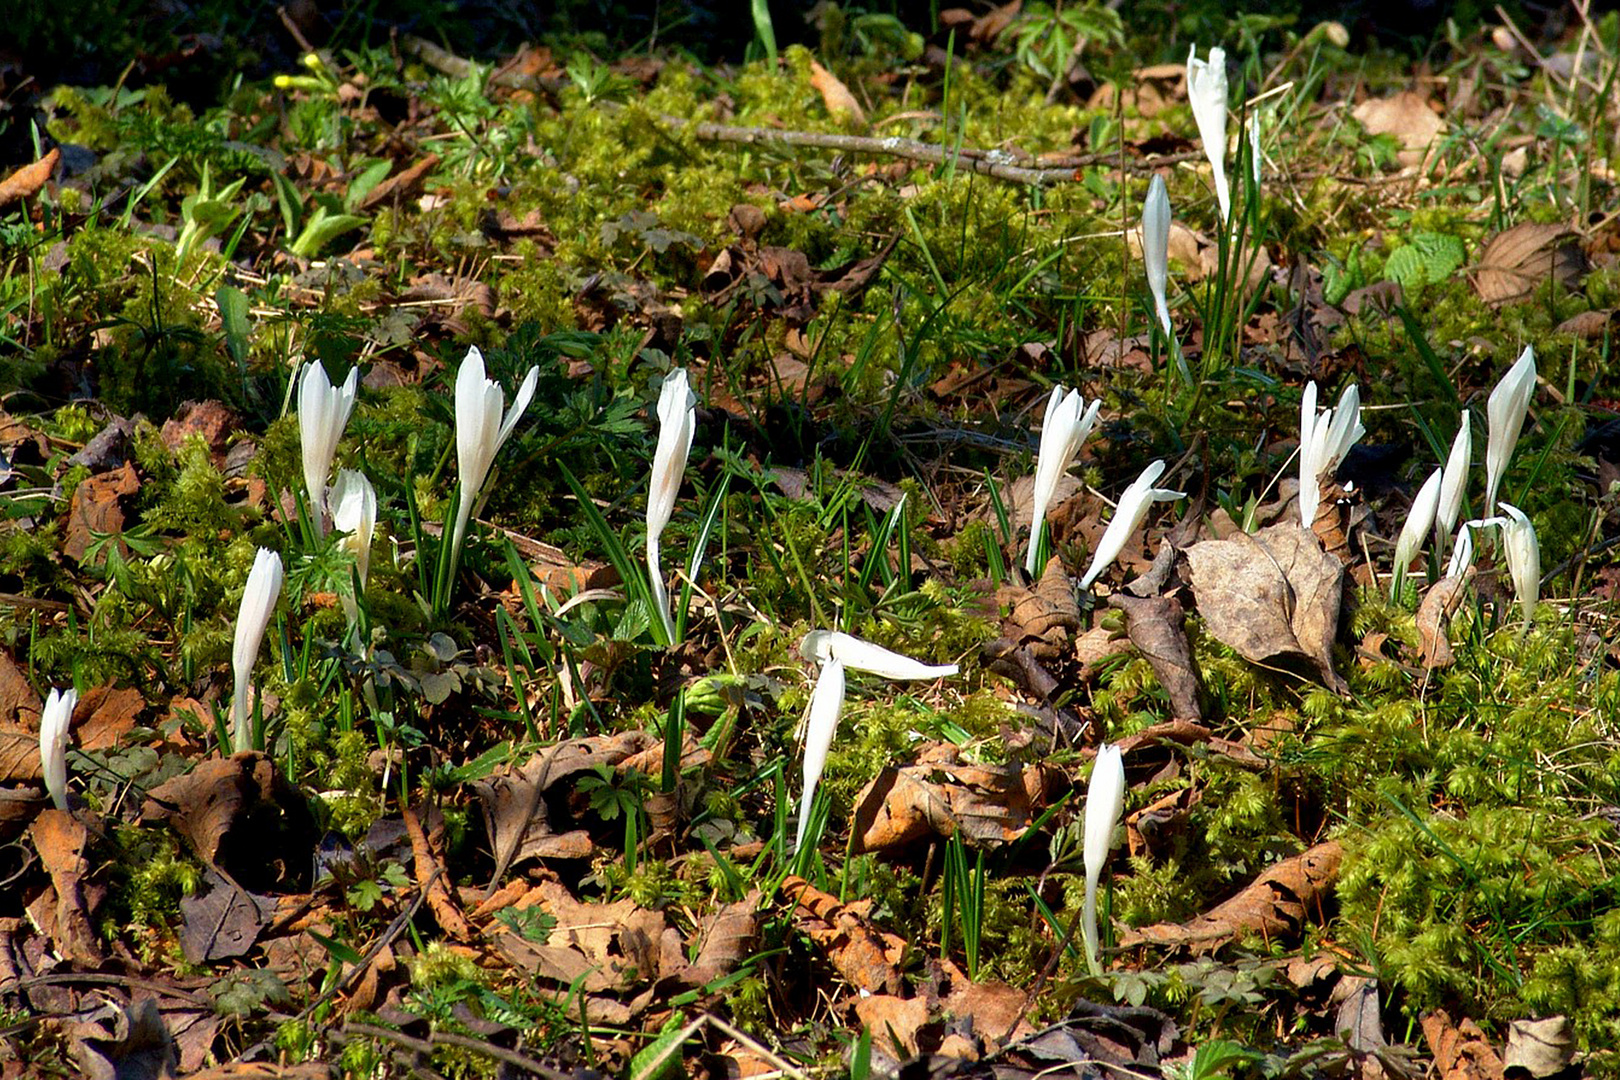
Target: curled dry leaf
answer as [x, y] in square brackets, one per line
[989, 805]
[1539, 1048]
[237, 814]
[64, 912]
[867, 957]
[894, 1022]
[835, 95]
[1461, 1051]
[1518, 259]
[1154, 625]
[1042, 616]
[30, 178]
[1440, 603]
[1408, 117]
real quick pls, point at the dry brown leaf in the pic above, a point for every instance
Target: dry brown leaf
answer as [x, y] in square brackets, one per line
[1275, 904]
[29, 179]
[1460, 1051]
[1150, 829]
[1274, 595]
[989, 805]
[1408, 117]
[237, 814]
[836, 96]
[1539, 1048]
[402, 185]
[1517, 260]
[606, 946]
[433, 876]
[1434, 620]
[96, 509]
[867, 957]
[893, 1022]
[63, 913]
[1154, 625]
[1591, 325]
[1043, 616]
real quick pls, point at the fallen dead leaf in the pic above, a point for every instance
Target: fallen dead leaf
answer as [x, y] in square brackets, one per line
[1539, 1048]
[1154, 625]
[1408, 117]
[60, 840]
[222, 920]
[1041, 617]
[29, 179]
[96, 509]
[433, 876]
[939, 796]
[1460, 1051]
[867, 957]
[1514, 262]
[893, 1022]
[1434, 614]
[836, 96]
[1591, 325]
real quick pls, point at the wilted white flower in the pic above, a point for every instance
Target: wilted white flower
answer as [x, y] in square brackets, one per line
[1324, 440]
[1419, 520]
[1523, 559]
[258, 604]
[1068, 422]
[826, 703]
[323, 413]
[1105, 798]
[354, 512]
[677, 422]
[1128, 514]
[1506, 409]
[1156, 247]
[825, 646]
[1206, 92]
[53, 740]
[481, 429]
[1456, 479]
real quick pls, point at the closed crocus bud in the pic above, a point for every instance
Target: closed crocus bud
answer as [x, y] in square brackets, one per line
[1206, 92]
[354, 513]
[258, 604]
[1105, 798]
[1505, 410]
[1419, 520]
[323, 413]
[1523, 559]
[1128, 514]
[1156, 247]
[1455, 481]
[825, 646]
[481, 429]
[1256, 158]
[826, 703]
[1324, 440]
[1068, 422]
[677, 422]
[53, 740]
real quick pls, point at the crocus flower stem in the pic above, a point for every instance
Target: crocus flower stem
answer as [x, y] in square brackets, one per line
[1105, 798]
[677, 422]
[323, 413]
[54, 724]
[480, 431]
[1068, 422]
[1133, 506]
[258, 605]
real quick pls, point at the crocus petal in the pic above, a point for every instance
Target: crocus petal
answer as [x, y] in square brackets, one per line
[1156, 247]
[825, 705]
[1105, 798]
[258, 604]
[323, 413]
[677, 423]
[1456, 478]
[1068, 421]
[1505, 410]
[1206, 92]
[825, 646]
[54, 724]
[1523, 559]
[480, 430]
[354, 513]
[1324, 440]
[1419, 520]
[1255, 157]
[1462, 553]
[1309, 491]
[1133, 506]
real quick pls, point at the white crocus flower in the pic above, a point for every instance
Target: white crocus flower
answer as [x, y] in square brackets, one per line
[481, 429]
[258, 604]
[826, 646]
[1462, 556]
[1505, 410]
[677, 422]
[1156, 247]
[1132, 507]
[1105, 798]
[1206, 91]
[1419, 520]
[826, 703]
[1068, 422]
[1256, 158]
[354, 512]
[1523, 559]
[1456, 479]
[1324, 440]
[323, 413]
[53, 740]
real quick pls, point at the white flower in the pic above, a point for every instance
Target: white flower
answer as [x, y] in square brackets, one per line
[825, 705]
[1128, 514]
[1156, 247]
[258, 604]
[1323, 442]
[53, 741]
[1456, 478]
[1068, 422]
[1505, 409]
[826, 646]
[1462, 556]
[480, 430]
[354, 512]
[323, 413]
[1255, 157]
[1206, 91]
[677, 422]
[1523, 559]
[1419, 520]
[1105, 798]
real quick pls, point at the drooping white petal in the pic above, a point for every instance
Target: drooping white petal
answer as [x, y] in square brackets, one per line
[1505, 410]
[323, 413]
[258, 604]
[1105, 798]
[1133, 506]
[1206, 92]
[1456, 478]
[826, 703]
[1462, 552]
[54, 724]
[480, 430]
[1419, 520]
[1523, 558]
[1068, 421]
[1156, 247]
[825, 646]
[677, 423]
